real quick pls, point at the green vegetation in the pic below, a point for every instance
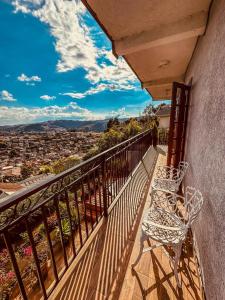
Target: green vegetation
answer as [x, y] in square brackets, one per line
[117, 132]
[25, 171]
[60, 165]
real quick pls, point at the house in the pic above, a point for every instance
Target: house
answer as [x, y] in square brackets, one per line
[164, 116]
[7, 189]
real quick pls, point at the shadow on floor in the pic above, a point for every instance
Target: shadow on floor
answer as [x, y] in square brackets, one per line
[100, 272]
[163, 285]
[161, 150]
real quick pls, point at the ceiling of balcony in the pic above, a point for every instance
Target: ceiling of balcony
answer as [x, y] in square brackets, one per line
[156, 38]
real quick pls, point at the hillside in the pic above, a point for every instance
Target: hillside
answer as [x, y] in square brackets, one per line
[97, 125]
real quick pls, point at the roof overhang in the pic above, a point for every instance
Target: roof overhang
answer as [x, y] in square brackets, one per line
[156, 38]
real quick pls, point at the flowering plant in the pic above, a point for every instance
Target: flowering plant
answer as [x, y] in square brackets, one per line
[4, 258]
[27, 251]
[52, 221]
[7, 279]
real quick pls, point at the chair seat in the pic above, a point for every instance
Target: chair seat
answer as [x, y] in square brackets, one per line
[167, 185]
[163, 226]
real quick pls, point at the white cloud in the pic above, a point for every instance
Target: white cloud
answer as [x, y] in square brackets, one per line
[19, 115]
[99, 88]
[75, 42]
[22, 7]
[6, 96]
[121, 113]
[74, 95]
[118, 72]
[72, 111]
[47, 97]
[29, 80]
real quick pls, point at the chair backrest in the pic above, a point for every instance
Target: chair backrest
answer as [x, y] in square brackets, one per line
[193, 203]
[183, 166]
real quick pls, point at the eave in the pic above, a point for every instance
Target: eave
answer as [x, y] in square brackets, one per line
[157, 39]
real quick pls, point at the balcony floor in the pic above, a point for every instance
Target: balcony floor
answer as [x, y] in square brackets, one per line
[104, 269]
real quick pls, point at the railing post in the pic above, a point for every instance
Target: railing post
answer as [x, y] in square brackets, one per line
[149, 139]
[105, 206]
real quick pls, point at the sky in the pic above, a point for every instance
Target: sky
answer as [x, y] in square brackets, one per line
[56, 63]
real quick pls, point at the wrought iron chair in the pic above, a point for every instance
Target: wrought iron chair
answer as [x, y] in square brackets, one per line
[169, 178]
[167, 222]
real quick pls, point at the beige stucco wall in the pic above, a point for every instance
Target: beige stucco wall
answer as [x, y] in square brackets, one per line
[205, 149]
[164, 122]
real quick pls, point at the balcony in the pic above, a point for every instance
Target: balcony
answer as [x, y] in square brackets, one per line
[76, 235]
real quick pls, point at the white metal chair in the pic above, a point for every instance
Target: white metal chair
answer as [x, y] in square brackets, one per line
[169, 178]
[167, 221]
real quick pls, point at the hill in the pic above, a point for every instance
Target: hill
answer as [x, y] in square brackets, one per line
[97, 125]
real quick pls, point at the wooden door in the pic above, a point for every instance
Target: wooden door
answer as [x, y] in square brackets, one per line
[178, 123]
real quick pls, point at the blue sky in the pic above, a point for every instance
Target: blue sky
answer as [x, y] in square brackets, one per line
[56, 63]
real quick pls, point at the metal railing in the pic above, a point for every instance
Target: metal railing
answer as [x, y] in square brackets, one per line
[43, 228]
[163, 136]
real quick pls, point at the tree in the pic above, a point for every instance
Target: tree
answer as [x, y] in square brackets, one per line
[149, 120]
[109, 139]
[149, 110]
[113, 122]
[117, 132]
[92, 152]
[46, 169]
[65, 163]
[132, 128]
[25, 172]
[60, 165]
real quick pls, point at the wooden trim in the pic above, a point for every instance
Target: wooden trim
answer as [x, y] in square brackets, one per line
[95, 16]
[178, 118]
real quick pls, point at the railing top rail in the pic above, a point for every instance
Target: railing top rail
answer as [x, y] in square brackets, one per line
[15, 198]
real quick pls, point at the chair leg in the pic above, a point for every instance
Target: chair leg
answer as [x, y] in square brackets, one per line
[142, 239]
[150, 204]
[177, 249]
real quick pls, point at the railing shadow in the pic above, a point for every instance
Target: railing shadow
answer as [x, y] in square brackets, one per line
[100, 272]
[164, 277]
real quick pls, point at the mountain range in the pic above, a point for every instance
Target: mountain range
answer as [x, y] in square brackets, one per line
[96, 125]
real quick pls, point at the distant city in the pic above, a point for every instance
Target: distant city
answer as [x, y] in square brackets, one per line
[23, 154]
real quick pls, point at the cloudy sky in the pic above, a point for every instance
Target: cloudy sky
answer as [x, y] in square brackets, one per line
[56, 63]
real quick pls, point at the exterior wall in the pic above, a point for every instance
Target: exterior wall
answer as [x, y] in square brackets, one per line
[164, 122]
[205, 148]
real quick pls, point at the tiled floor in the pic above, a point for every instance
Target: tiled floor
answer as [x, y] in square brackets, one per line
[104, 271]
[153, 277]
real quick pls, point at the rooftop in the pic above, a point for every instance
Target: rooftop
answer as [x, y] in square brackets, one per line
[164, 111]
[10, 186]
